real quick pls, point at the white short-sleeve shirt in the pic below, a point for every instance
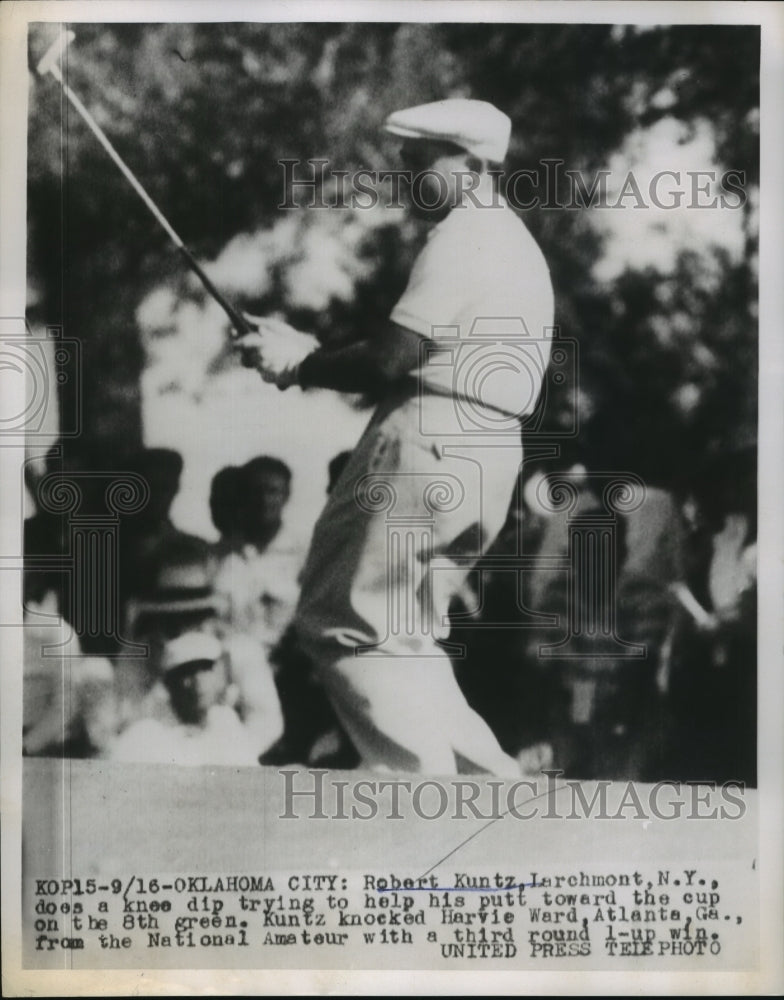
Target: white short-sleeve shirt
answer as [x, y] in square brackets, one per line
[480, 289]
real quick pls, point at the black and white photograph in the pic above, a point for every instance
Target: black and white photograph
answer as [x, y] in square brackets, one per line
[391, 591]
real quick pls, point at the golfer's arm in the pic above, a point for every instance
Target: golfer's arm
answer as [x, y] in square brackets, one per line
[364, 365]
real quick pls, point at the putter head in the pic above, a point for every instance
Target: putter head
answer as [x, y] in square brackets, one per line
[51, 59]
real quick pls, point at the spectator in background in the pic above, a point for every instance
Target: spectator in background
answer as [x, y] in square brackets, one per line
[47, 532]
[147, 537]
[733, 568]
[185, 601]
[651, 575]
[553, 538]
[715, 659]
[202, 729]
[226, 495]
[606, 711]
[68, 698]
[733, 589]
[260, 556]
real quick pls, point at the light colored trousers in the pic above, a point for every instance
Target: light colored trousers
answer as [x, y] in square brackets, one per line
[410, 514]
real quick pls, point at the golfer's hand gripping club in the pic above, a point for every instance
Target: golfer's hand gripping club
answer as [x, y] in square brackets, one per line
[276, 348]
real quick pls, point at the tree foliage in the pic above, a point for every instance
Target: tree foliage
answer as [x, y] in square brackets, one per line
[203, 113]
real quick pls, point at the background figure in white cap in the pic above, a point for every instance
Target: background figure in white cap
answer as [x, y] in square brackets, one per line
[429, 484]
[202, 728]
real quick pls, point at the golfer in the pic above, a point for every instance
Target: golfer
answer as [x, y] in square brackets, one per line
[457, 366]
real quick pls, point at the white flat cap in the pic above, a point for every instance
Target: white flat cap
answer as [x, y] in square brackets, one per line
[476, 126]
[191, 647]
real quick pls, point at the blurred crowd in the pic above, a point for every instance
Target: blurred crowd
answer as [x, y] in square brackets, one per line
[216, 675]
